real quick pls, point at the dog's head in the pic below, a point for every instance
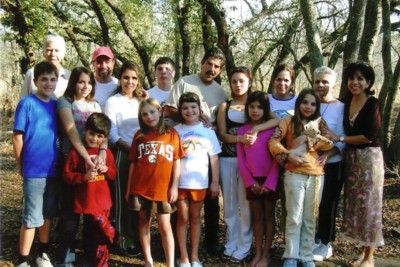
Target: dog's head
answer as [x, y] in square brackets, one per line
[311, 128]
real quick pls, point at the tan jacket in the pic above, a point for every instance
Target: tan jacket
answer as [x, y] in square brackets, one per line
[284, 134]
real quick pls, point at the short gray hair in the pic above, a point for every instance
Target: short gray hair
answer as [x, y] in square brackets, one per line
[54, 38]
[326, 70]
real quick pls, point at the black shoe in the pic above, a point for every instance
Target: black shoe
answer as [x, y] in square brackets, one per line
[133, 251]
[215, 248]
[128, 252]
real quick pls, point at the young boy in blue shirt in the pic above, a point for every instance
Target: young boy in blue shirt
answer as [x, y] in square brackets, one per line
[35, 150]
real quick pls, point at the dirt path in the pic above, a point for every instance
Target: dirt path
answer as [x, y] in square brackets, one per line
[10, 212]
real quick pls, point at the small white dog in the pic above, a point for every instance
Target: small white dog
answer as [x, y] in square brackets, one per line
[311, 130]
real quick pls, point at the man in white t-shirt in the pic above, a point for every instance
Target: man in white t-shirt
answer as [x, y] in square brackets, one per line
[164, 71]
[211, 94]
[103, 61]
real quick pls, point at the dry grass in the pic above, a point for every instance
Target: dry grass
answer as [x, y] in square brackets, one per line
[10, 212]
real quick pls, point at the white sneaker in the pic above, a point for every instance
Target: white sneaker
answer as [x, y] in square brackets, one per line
[44, 261]
[24, 264]
[322, 252]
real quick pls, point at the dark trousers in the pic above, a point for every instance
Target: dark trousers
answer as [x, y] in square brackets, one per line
[67, 226]
[125, 221]
[211, 216]
[333, 184]
[211, 220]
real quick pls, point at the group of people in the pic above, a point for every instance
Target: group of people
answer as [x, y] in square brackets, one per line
[88, 143]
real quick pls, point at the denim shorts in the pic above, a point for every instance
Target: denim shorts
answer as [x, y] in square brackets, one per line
[40, 201]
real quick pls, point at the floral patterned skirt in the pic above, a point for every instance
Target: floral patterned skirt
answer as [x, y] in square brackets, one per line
[362, 220]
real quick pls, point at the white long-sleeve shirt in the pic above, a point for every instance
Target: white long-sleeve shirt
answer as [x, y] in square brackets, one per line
[124, 115]
[332, 113]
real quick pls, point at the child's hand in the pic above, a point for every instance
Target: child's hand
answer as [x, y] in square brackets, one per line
[172, 195]
[256, 189]
[250, 137]
[265, 190]
[91, 174]
[102, 168]
[296, 158]
[214, 189]
[100, 159]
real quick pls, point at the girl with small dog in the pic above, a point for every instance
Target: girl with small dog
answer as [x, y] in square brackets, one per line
[303, 177]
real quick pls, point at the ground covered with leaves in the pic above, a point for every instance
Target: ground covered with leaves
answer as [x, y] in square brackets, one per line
[10, 214]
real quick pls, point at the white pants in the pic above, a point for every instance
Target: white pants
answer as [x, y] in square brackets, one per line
[239, 234]
[302, 193]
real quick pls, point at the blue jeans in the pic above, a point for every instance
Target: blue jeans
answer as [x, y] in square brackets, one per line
[40, 201]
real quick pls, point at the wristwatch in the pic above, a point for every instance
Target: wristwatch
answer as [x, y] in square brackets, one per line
[341, 139]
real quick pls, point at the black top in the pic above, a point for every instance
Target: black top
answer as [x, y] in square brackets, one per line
[229, 150]
[368, 122]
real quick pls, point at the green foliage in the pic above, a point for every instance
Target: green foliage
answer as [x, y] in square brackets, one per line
[259, 34]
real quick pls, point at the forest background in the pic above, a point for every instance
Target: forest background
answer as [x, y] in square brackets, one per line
[259, 34]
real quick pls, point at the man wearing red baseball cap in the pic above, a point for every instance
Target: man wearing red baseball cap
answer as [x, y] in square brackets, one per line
[103, 61]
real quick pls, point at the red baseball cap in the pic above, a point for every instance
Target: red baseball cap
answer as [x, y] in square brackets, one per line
[102, 51]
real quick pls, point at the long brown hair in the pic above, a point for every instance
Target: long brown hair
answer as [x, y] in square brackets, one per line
[70, 92]
[247, 73]
[130, 65]
[298, 117]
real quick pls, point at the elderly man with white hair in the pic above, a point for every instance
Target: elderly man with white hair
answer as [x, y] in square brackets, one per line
[54, 52]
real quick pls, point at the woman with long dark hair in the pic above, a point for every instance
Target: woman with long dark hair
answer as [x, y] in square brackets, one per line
[362, 222]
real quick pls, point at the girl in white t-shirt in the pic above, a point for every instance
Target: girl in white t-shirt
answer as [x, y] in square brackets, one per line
[201, 148]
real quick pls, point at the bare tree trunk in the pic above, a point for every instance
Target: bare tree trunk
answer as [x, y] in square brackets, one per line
[388, 93]
[137, 43]
[371, 30]
[20, 24]
[393, 151]
[312, 33]
[222, 31]
[285, 43]
[183, 16]
[352, 45]
[387, 85]
[71, 34]
[102, 21]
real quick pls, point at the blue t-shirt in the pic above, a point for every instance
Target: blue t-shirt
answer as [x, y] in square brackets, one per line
[37, 121]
